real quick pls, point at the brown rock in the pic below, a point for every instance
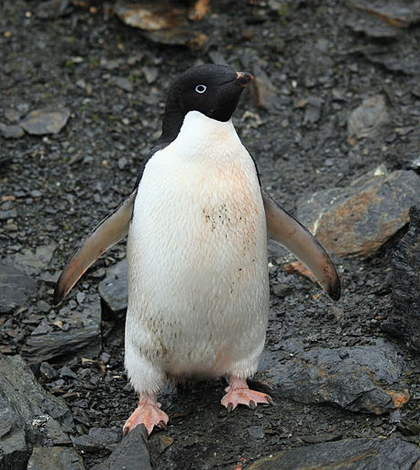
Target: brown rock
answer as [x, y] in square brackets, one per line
[45, 121]
[357, 220]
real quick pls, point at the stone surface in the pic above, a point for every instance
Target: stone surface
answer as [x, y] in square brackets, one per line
[114, 289]
[45, 121]
[15, 287]
[55, 458]
[357, 220]
[349, 454]
[356, 378]
[69, 332]
[11, 132]
[404, 320]
[161, 22]
[367, 119]
[28, 414]
[131, 454]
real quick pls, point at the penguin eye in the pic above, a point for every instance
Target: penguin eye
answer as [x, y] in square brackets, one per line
[200, 88]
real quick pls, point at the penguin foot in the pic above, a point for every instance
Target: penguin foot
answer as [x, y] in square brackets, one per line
[238, 393]
[148, 413]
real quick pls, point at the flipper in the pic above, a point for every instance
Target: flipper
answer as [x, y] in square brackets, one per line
[110, 231]
[289, 232]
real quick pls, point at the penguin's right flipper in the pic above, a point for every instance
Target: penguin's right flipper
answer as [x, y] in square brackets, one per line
[290, 233]
[110, 231]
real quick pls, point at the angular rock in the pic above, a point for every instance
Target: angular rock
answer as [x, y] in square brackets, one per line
[357, 220]
[69, 332]
[114, 289]
[349, 377]
[29, 414]
[408, 64]
[368, 118]
[45, 121]
[161, 22]
[15, 287]
[401, 16]
[11, 132]
[57, 458]
[349, 454]
[263, 92]
[404, 320]
[131, 453]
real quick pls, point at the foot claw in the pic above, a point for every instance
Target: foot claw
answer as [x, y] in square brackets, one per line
[238, 393]
[148, 413]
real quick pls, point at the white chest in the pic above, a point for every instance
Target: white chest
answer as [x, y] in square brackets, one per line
[197, 244]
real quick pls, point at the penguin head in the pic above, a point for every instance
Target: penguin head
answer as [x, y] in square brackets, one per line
[211, 89]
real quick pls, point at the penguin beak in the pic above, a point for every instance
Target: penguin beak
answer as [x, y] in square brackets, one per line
[243, 78]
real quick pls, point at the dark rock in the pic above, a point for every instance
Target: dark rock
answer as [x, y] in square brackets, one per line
[28, 413]
[114, 289]
[11, 132]
[312, 110]
[45, 121]
[57, 458]
[392, 61]
[322, 437]
[349, 377]
[52, 9]
[14, 452]
[123, 83]
[357, 220]
[399, 15]
[264, 93]
[368, 118]
[404, 320]
[132, 453]
[349, 454]
[15, 287]
[373, 29]
[107, 438]
[69, 332]
[85, 443]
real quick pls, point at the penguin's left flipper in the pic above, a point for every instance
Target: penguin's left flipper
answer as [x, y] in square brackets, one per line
[110, 231]
[289, 232]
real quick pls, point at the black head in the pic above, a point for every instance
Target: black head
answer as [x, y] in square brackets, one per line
[211, 89]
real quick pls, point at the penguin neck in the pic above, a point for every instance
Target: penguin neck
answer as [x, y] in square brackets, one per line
[198, 130]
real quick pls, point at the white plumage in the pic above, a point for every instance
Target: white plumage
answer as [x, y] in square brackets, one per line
[197, 255]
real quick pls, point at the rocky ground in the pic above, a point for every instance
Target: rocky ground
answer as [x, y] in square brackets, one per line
[333, 124]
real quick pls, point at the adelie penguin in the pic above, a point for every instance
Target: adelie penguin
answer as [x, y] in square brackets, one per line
[197, 223]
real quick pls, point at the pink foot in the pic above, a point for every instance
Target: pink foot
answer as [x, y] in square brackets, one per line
[238, 393]
[148, 413]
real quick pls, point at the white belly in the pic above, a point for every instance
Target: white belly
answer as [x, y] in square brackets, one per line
[198, 278]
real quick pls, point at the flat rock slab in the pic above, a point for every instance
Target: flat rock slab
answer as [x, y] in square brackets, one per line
[114, 289]
[357, 220]
[55, 458]
[367, 119]
[350, 454]
[161, 22]
[11, 131]
[15, 287]
[131, 454]
[29, 414]
[354, 378]
[68, 333]
[45, 121]
[404, 320]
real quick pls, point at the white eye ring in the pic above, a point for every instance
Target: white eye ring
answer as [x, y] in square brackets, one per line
[200, 88]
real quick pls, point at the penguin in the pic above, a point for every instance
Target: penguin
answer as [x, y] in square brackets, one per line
[197, 224]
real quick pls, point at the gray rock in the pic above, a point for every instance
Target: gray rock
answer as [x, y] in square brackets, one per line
[45, 121]
[349, 454]
[29, 414]
[356, 378]
[38, 260]
[368, 118]
[357, 220]
[14, 452]
[404, 320]
[55, 458]
[123, 83]
[15, 287]
[69, 332]
[131, 454]
[11, 132]
[114, 289]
